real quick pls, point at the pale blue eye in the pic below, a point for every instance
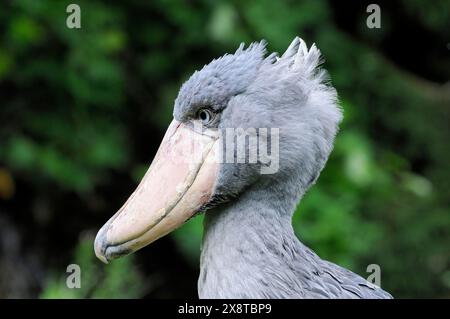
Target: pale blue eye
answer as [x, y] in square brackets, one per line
[205, 116]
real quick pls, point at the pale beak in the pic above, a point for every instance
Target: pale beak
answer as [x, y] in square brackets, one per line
[178, 183]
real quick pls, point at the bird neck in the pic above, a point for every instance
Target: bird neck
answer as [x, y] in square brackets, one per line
[246, 242]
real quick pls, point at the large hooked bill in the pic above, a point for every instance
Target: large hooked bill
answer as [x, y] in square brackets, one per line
[178, 183]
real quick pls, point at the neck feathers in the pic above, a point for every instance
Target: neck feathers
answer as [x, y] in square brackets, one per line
[245, 245]
[250, 251]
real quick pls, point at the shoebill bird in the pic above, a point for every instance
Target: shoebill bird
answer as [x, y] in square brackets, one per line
[249, 247]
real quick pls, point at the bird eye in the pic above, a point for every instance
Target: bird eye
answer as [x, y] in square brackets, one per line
[205, 115]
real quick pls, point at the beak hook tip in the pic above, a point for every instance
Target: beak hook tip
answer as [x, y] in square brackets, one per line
[100, 247]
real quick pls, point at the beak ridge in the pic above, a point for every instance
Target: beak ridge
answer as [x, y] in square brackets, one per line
[179, 181]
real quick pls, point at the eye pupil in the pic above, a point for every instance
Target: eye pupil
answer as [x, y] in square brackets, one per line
[204, 115]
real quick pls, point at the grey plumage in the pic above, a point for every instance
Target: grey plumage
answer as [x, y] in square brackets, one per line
[249, 247]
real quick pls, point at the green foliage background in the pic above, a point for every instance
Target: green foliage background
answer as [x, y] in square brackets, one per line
[82, 113]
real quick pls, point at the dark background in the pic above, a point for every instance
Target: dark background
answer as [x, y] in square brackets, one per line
[82, 112]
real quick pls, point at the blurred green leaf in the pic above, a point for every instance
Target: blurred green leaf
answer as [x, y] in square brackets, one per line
[120, 279]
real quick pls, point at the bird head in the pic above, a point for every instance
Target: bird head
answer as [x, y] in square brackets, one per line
[244, 119]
